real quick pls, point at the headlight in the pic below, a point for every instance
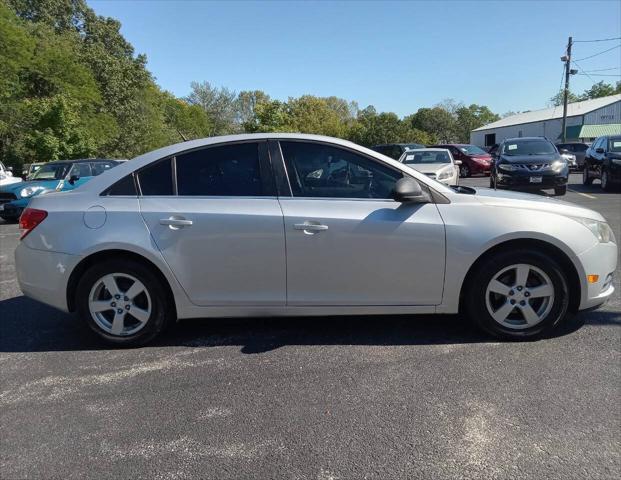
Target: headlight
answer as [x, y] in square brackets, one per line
[30, 191]
[445, 173]
[601, 230]
[558, 165]
[508, 167]
[616, 161]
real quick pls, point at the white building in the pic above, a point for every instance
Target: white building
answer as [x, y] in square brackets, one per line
[585, 121]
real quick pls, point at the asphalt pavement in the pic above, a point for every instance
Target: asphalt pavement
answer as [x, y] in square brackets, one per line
[321, 398]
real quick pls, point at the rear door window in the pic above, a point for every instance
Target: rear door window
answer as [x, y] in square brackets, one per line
[156, 179]
[227, 170]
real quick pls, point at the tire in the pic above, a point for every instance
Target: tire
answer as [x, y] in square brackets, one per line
[481, 302]
[606, 185]
[464, 170]
[558, 191]
[586, 179]
[491, 181]
[153, 302]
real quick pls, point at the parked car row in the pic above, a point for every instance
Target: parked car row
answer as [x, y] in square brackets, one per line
[292, 224]
[49, 177]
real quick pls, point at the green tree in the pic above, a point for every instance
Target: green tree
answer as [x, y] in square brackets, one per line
[471, 117]
[600, 89]
[220, 104]
[437, 122]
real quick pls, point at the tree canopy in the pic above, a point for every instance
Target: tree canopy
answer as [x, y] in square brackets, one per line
[72, 86]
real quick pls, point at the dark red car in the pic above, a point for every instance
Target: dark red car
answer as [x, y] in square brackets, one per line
[474, 160]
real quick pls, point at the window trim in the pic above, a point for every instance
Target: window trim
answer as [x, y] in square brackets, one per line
[287, 187]
[265, 168]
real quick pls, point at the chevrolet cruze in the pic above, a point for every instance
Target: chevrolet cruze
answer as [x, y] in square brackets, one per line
[291, 224]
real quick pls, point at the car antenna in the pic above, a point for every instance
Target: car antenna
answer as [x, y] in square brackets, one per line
[181, 135]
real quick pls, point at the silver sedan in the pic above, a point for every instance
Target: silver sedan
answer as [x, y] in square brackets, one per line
[291, 224]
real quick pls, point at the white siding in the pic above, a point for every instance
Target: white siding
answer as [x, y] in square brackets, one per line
[604, 115]
[548, 128]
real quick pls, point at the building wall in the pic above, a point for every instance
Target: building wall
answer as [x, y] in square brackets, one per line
[608, 114]
[548, 128]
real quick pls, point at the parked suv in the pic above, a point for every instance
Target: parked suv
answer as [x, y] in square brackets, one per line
[395, 150]
[603, 161]
[474, 160]
[529, 163]
[577, 149]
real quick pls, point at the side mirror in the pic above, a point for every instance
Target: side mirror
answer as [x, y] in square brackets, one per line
[73, 179]
[458, 162]
[599, 150]
[408, 190]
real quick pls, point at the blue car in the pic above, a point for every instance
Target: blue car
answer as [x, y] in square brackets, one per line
[53, 176]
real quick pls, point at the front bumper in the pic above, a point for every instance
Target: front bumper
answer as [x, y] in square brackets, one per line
[14, 208]
[480, 167]
[44, 275]
[523, 180]
[600, 260]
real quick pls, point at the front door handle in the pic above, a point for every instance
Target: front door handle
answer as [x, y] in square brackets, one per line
[310, 227]
[176, 223]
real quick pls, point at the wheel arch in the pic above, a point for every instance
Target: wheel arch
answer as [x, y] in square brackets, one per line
[101, 256]
[564, 261]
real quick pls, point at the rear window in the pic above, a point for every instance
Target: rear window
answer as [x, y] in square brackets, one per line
[156, 179]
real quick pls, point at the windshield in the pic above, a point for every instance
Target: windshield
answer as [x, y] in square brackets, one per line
[472, 150]
[615, 144]
[528, 147]
[417, 158]
[51, 171]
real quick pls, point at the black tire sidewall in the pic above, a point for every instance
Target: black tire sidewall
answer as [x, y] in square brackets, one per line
[475, 300]
[160, 313]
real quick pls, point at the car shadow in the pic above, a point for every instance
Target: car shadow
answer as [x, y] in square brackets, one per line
[29, 326]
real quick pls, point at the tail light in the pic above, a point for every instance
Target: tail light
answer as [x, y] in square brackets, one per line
[31, 217]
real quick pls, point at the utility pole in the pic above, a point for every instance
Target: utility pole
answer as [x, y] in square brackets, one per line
[567, 59]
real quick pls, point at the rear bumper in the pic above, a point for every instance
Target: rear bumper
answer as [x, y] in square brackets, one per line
[599, 260]
[44, 275]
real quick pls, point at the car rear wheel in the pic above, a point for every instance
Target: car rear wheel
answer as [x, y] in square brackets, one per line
[518, 295]
[558, 191]
[123, 302]
[586, 179]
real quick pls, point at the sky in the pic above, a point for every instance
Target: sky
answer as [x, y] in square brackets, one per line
[396, 56]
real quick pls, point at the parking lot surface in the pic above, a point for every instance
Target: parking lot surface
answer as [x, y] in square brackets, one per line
[316, 398]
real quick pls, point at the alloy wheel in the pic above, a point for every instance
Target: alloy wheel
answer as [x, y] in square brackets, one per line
[519, 296]
[120, 304]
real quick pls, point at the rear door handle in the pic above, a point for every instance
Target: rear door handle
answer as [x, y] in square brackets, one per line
[310, 227]
[175, 222]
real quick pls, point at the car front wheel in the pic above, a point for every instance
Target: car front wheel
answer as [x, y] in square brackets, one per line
[606, 185]
[123, 302]
[558, 191]
[518, 295]
[464, 170]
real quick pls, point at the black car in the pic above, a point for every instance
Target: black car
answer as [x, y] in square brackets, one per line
[603, 161]
[529, 163]
[395, 150]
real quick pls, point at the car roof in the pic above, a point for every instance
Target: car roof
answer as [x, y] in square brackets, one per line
[82, 160]
[525, 138]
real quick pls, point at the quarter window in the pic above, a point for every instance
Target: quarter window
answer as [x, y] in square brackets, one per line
[318, 170]
[125, 186]
[228, 170]
[156, 179]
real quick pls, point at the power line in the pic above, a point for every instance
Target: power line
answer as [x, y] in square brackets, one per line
[599, 53]
[600, 75]
[560, 89]
[583, 72]
[598, 40]
[604, 69]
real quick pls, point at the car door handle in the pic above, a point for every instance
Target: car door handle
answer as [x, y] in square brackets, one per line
[175, 223]
[310, 227]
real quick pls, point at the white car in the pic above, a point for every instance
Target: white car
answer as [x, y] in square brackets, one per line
[436, 163]
[292, 224]
[6, 176]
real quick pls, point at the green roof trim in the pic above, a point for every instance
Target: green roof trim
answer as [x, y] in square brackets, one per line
[592, 131]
